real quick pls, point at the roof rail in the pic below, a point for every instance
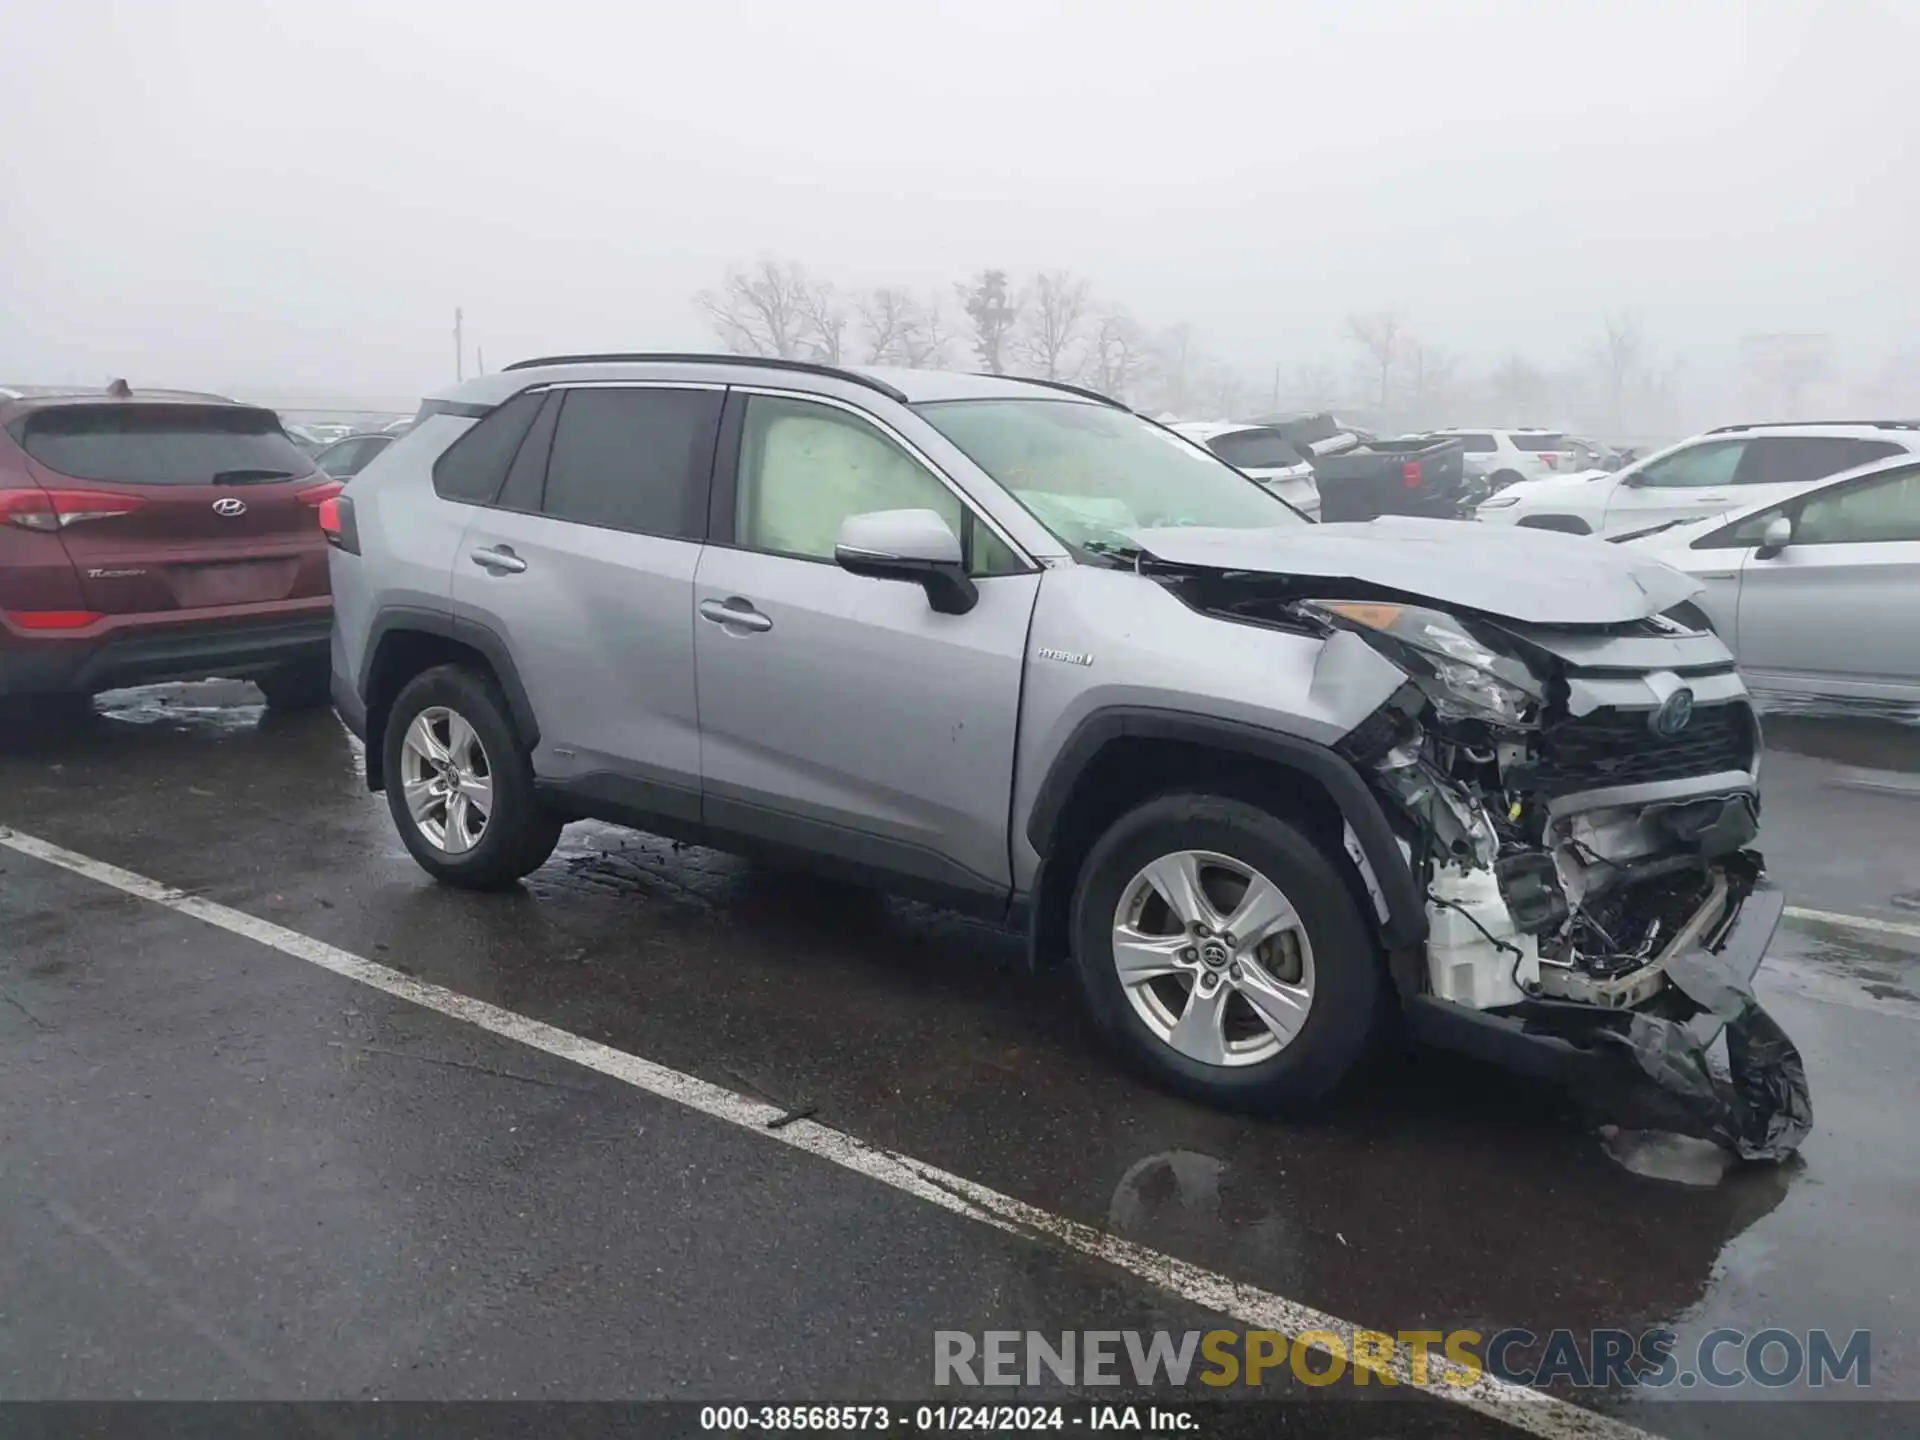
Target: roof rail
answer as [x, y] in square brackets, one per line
[1079, 390]
[1796, 424]
[765, 362]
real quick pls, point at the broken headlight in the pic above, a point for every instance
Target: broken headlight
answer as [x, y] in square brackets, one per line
[1465, 677]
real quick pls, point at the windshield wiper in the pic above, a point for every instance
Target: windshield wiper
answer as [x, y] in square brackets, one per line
[1112, 550]
[249, 477]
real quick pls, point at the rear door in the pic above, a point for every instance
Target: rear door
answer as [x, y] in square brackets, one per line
[1778, 467]
[1545, 451]
[193, 507]
[1832, 614]
[583, 565]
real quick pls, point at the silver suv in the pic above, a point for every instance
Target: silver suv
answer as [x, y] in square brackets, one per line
[1010, 647]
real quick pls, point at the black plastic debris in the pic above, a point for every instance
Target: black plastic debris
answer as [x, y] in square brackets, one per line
[1761, 1108]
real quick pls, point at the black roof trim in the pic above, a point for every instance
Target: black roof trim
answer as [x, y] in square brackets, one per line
[1080, 390]
[1797, 424]
[764, 362]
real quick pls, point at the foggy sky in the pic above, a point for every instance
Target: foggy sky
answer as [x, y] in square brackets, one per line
[298, 192]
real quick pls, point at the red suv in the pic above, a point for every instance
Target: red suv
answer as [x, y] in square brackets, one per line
[157, 535]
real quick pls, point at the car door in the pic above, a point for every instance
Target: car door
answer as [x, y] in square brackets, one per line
[842, 716]
[583, 569]
[1692, 482]
[1832, 613]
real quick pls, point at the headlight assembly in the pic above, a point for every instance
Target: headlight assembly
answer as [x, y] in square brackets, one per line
[1464, 677]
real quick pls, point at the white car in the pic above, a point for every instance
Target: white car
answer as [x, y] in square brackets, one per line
[1725, 469]
[1814, 595]
[1262, 454]
[1503, 457]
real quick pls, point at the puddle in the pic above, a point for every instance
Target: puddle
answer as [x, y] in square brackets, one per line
[1659, 1155]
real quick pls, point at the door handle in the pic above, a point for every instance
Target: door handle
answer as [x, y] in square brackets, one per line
[500, 560]
[1710, 497]
[735, 612]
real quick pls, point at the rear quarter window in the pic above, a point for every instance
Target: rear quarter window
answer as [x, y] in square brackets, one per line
[1538, 443]
[134, 444]
[474, 467]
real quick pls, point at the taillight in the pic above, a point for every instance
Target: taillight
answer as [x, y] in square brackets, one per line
[1410, 474]
[50, 510]
[1552, 458]
[318, 495]
[336, 523]
[51, 619]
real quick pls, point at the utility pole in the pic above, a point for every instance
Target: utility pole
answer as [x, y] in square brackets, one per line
[480, 359]
[1276, 385]
[459, 344]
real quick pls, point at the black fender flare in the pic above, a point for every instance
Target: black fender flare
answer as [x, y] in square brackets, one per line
[1405, 924]
[474, 634]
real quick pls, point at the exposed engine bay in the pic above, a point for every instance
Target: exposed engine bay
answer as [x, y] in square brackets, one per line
[1576, 805]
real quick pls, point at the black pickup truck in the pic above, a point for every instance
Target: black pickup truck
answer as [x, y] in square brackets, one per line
[1420, 475]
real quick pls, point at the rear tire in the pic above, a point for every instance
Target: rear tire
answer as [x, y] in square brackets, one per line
[456, 837]
[297, 687]
[1326, 953]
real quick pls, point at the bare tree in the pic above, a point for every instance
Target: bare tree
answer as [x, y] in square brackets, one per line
[993, 310]
[1432, 378]
[1618, 359]
[1051, 341]
[759, 310]
[1379, 333]
[1316, 386]
[1520, 388]
[1173, 359]
[886, 313]
[824, 316]
[1119, 356]
[925, 345]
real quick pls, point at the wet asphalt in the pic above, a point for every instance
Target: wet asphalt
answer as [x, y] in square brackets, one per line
[227, 1174]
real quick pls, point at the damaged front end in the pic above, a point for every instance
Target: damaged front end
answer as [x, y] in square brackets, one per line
[1577, 806]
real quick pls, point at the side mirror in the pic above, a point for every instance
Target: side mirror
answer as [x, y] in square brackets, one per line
[912, 545]
[1775, 538]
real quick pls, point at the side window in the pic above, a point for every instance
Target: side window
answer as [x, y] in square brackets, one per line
[1477, 444]
[471, 469]
[1697, 467]
[804, 468]
[1883, 509]
[1796, 459]
[634, 458]
[527, 478]
[1866, 451]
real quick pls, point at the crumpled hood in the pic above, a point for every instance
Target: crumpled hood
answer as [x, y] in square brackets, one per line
[1542, 576]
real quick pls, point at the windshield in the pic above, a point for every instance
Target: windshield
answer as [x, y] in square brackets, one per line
[1092, 474]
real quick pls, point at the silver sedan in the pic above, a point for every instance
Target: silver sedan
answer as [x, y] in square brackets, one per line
[1817, 596]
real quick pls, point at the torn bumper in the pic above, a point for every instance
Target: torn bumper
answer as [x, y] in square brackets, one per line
[1650, 1067]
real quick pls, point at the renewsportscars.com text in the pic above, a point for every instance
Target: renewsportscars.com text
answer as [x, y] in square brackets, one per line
[1770, 1358]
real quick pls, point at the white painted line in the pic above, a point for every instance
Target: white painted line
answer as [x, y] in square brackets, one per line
[1515, 1405]
[1869, 923]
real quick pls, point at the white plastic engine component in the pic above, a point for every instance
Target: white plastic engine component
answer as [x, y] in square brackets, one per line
[1471, 943]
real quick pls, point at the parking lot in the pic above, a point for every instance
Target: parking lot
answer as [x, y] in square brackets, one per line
[238, 1164]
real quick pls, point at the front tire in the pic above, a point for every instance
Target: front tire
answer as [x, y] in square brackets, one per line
[1275, 1016]
[460, 783]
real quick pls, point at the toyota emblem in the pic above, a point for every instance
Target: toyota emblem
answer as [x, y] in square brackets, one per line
[229, 506]
[1674, 714]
